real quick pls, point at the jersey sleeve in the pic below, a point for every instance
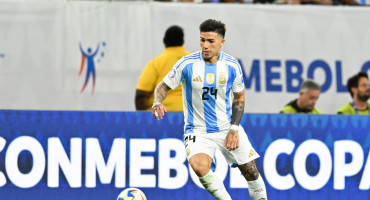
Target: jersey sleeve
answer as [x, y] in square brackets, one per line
[238, 84]
[173, 77]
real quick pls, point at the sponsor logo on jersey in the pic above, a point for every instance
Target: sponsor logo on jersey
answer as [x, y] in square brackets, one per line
[198, 79]
[252, 153]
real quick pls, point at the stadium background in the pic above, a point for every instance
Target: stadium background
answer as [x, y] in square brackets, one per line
[51, 130]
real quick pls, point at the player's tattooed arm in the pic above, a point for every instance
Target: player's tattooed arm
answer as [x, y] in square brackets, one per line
[160, 93]
[232, 138]
[238, 107]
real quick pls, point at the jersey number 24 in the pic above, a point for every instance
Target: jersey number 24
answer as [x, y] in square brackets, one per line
[211, 90]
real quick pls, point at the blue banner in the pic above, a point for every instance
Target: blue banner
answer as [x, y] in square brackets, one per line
[95, 155]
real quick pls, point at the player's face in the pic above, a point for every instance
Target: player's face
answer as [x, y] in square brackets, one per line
[309, 98]
[211, 43]
[363, 90]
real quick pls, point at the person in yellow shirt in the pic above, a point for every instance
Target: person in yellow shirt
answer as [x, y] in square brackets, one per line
[308, 95]
[359, 88]
[157, 68]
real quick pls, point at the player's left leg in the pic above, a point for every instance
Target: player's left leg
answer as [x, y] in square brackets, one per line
[256, 185]
[244, 157]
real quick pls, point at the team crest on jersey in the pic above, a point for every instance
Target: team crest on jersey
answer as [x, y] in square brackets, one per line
[210, 78]
[172, 73]
[221, 78]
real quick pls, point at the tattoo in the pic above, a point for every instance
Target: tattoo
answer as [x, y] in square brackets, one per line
[233, 132]
[237, 108]
[237, 95]
[160, 92]
[249, 171]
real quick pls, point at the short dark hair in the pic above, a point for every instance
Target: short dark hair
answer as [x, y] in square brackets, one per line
[353, 81]
[211, 25]
[174, 36]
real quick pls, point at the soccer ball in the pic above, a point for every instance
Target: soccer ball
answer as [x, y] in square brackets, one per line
[131, 194]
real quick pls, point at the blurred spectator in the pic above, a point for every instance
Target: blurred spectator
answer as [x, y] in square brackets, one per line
[348, 2]
[297, 2]
[308, 95]
[157, 68]
[358, 87]
[207, 1]
[175, 0]
[363, 2]
[321, 2]
[231, 1]
[267, 1]
[351, 2]
[318, 2]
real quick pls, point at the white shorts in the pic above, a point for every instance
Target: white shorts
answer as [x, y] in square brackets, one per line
[208, 143]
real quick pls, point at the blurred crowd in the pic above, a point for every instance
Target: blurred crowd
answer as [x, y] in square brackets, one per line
[312, 2]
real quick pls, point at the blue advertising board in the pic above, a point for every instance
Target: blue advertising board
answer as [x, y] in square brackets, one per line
[95, 155]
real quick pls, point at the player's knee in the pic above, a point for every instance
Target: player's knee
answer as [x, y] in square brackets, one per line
[200, 167]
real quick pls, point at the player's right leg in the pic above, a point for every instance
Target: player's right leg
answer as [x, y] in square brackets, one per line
[200, 152]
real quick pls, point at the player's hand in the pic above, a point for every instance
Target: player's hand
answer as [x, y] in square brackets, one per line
[232, 140]
[158, 111]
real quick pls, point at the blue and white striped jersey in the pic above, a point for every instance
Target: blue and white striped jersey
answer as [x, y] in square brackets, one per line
[206, 90]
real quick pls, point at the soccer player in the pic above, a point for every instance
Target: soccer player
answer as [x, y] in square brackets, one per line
[359, 88]
[308, 95]
[213, 100]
